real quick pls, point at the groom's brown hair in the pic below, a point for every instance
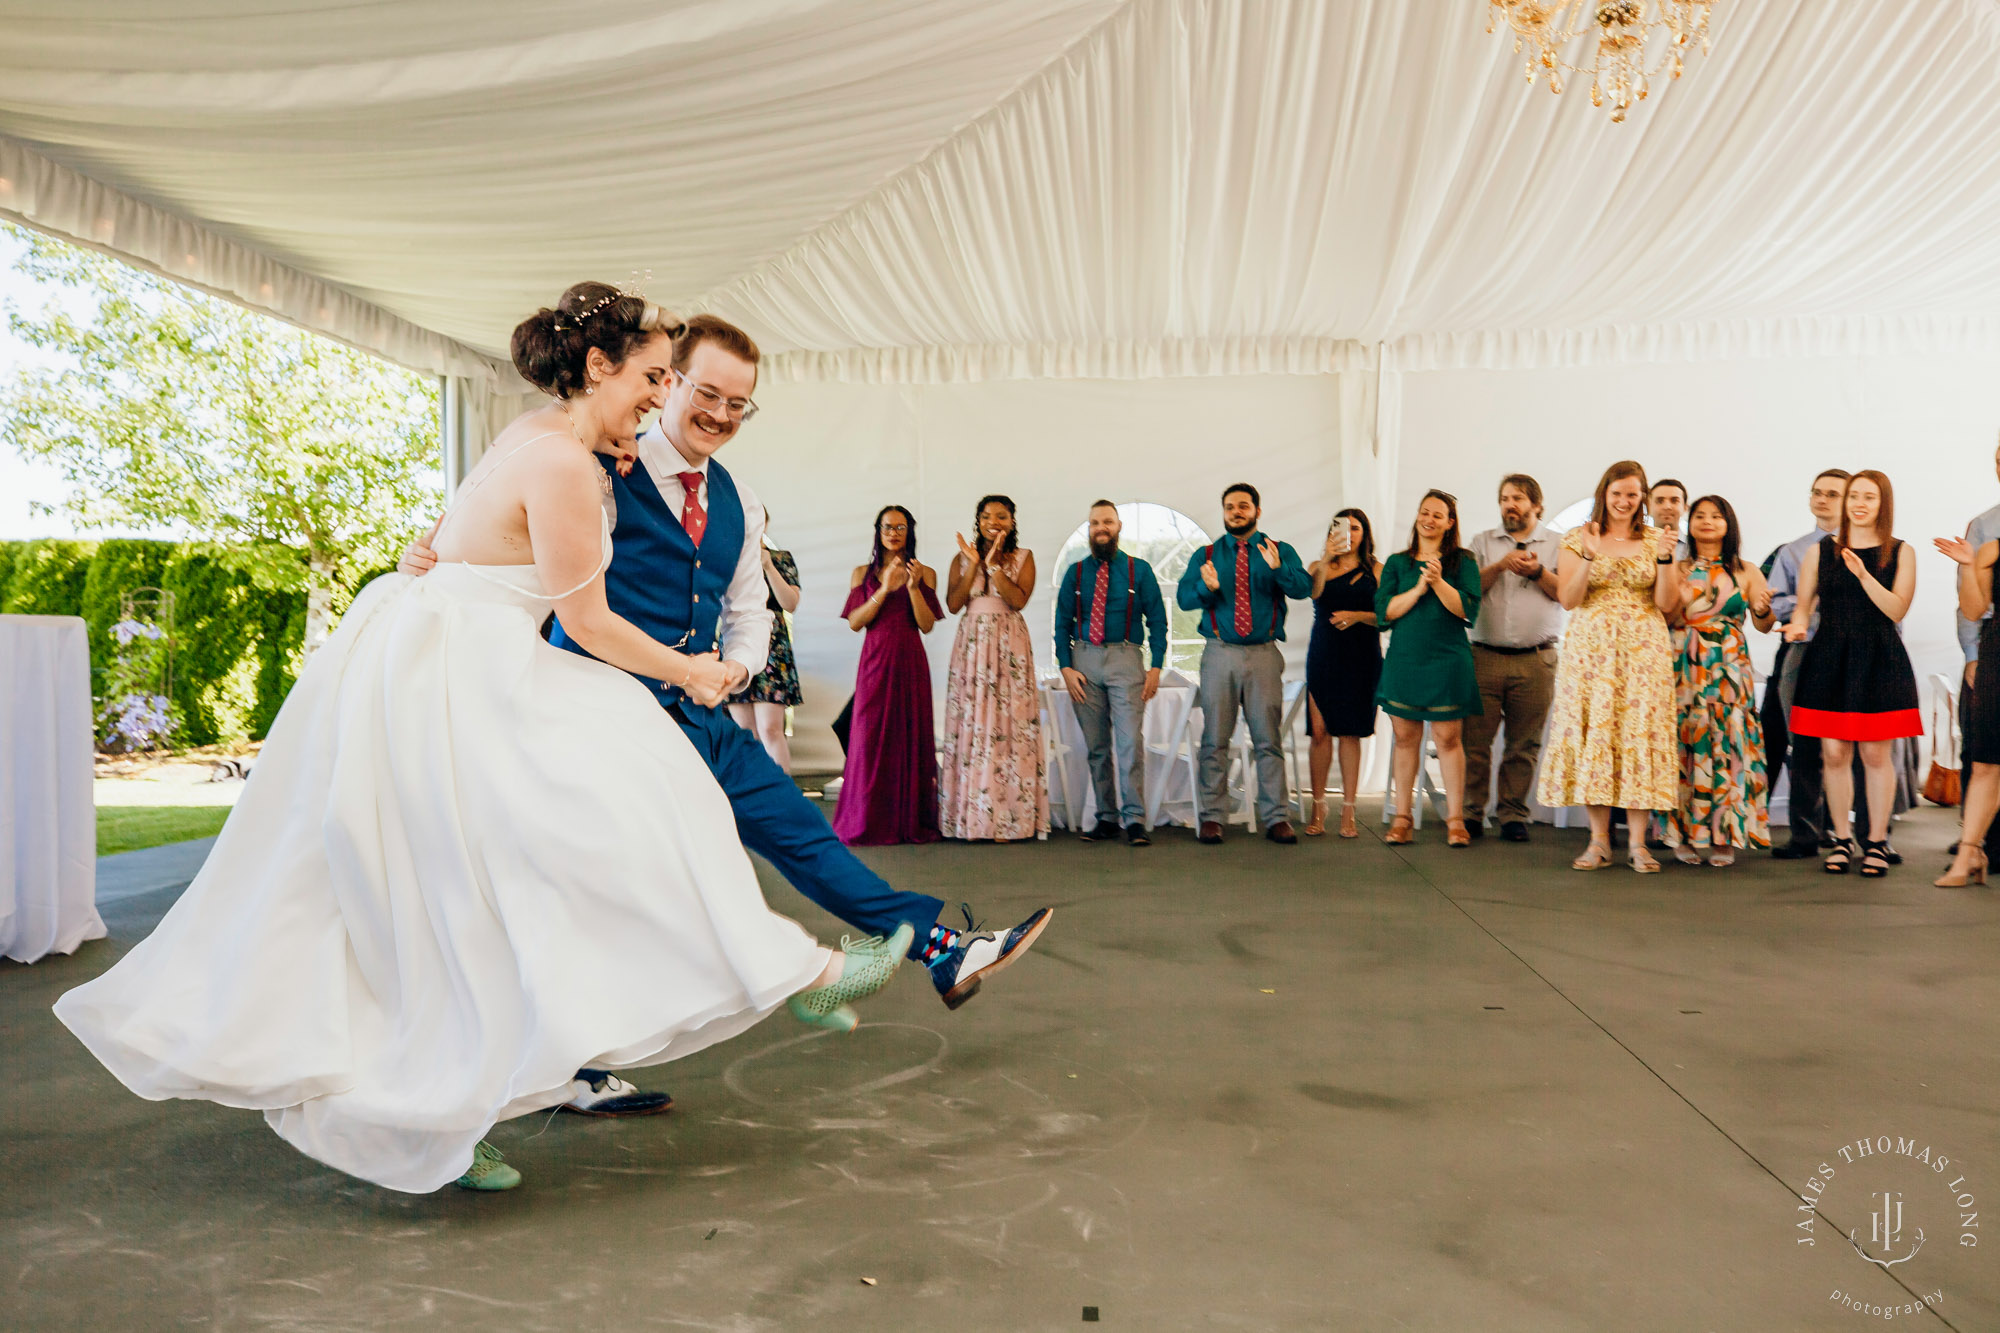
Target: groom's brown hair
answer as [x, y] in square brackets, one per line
[717, 330]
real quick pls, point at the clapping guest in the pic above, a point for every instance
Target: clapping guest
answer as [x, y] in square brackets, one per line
[1343, 662]
[1107, 604]
[1429, 594]
[1800, 754]
[888, 790]
[1239, 585]
[1513, 654]
[991, 784]
[1722, 781]
[1856, 687]
[1978, 574]
[1666, 506]
[760, 708]
[1611, 728]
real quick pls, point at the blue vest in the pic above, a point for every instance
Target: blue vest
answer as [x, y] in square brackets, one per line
[658, 579]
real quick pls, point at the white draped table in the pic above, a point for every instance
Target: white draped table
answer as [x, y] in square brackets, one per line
[48, 826]
[1168, 763]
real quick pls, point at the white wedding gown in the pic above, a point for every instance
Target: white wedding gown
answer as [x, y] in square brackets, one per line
[467, 864]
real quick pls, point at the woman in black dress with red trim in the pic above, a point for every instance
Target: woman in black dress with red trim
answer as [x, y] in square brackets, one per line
[1856, 687]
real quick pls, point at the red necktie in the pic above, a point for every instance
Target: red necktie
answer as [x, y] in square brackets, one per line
[1242, 590]
[693, 517]
[1097, 603]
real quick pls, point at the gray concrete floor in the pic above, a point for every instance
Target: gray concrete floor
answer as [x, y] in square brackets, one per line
[1340, 1085]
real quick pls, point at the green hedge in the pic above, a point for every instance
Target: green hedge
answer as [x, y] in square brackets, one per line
[47, 578]
[235, 646]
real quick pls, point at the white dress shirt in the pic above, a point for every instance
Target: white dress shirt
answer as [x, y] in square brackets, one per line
[746, 610]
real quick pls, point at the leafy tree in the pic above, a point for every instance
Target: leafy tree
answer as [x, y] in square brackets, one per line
[167, 408]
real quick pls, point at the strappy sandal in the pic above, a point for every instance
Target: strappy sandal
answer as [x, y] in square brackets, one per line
[1839, 857]
[1643, 862]
[1874, 859]
[1725, 857]
[1317, 824]
[1595, 857]
[1686, 854]
[1348, 827]
[1455, 834]
[1401, 830]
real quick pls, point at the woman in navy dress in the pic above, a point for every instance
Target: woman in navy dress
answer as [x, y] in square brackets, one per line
[1343, 662]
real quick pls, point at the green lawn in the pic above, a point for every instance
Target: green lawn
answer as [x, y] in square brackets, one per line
[127, 828]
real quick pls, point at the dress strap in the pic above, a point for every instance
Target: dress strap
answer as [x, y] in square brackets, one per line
[451, 510]
[603, 563]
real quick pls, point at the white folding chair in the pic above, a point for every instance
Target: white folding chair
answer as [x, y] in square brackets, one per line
[1178, 747]
[1057, 752]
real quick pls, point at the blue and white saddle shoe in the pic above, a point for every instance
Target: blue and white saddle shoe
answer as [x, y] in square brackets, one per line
[601, 1092]
[958, 971]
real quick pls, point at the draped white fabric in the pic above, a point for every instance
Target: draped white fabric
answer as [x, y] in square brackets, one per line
[953, 190]
[48, 825]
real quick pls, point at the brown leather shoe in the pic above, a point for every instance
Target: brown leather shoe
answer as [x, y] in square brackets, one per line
[1281, 832]
[1401, 830]
[1211, 832]
[1456, 834]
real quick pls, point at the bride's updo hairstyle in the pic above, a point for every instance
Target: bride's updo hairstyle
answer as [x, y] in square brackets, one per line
[552, 346]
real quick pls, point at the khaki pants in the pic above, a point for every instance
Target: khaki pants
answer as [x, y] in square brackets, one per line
[1516, 689]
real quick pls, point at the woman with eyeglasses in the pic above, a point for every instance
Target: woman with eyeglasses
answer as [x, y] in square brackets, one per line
[1612, 738]
[991, 785]
[1427, 599]
[888, 790]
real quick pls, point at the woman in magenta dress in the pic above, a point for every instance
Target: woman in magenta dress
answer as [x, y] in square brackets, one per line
[888, 791]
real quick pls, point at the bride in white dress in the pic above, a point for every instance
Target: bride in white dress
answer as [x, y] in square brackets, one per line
[468, 863]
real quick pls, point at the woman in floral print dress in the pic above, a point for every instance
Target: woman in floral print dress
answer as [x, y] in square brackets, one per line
[1611, 738]
[991, 780]
[1723, 784]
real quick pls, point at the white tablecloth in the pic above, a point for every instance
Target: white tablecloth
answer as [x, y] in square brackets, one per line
[48, 826]
[1169, 784]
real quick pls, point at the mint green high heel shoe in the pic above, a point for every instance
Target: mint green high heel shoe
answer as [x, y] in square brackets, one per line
[870, 963]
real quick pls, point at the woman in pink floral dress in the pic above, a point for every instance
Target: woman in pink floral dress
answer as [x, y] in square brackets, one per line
[992, 784]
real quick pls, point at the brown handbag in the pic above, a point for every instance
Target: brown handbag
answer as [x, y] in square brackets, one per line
[1941, 784]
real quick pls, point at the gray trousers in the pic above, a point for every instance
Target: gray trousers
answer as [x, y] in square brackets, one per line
[1113, 719]
[1249, 677]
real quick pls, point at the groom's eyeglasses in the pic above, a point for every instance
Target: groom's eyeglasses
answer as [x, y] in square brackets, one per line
[708, 400]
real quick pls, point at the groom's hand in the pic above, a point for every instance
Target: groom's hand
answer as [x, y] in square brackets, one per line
[417, 561]
[739, 677]
[708, 679]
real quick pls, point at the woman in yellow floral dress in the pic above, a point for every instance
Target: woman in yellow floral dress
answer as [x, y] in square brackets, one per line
[1724, 786]
[1611, 738]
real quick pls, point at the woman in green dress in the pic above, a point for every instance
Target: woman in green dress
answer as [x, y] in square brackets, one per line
[1428, 597]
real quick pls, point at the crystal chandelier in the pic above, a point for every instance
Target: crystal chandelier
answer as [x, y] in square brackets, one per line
[1617, 69]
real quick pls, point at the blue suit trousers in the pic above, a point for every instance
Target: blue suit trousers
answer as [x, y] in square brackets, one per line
[776, 821]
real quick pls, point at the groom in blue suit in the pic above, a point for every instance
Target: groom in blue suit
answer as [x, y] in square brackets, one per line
[687, 569]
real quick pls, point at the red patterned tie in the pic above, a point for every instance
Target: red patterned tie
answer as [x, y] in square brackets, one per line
[1242, 589]
[1097, 603]
[693, 517]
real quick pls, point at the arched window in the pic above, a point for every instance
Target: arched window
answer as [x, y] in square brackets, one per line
[1163, 537]
[1571, 515]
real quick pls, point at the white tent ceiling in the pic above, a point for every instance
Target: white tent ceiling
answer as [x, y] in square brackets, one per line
[958, 189]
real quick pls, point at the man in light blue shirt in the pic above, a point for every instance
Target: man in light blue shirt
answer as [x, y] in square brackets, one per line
[1829, 490]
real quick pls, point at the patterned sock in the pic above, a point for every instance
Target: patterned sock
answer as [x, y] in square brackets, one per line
[940, 940]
